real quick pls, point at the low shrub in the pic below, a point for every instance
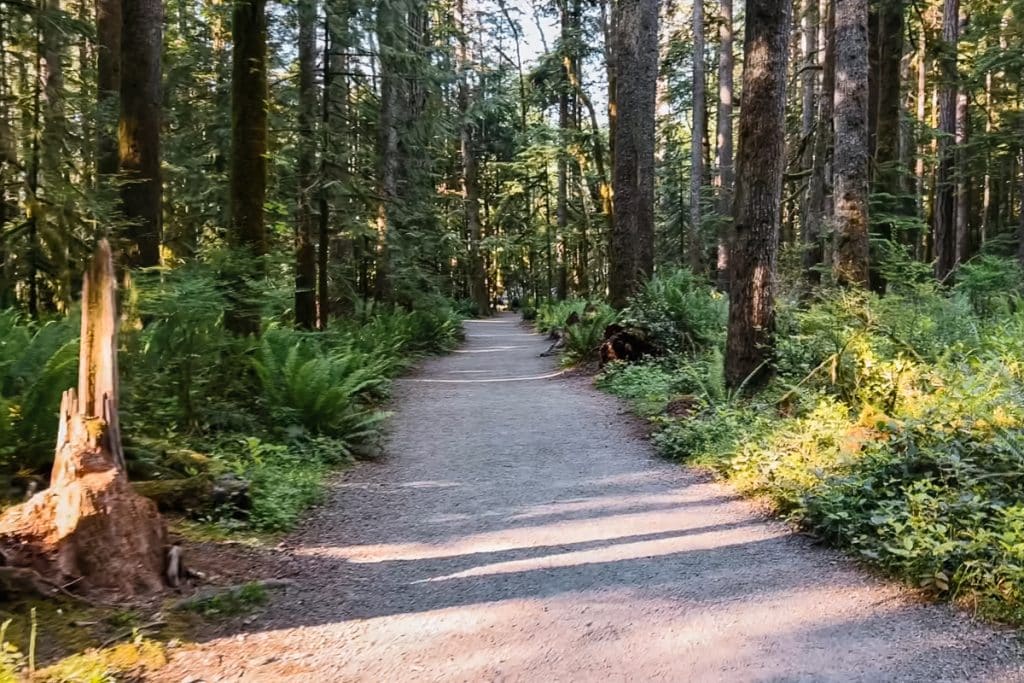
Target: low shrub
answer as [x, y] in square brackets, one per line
[679, 312]
[894, 428]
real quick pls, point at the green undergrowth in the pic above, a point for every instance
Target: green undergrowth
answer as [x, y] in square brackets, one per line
[894, 428]
[63, 641]
[278, 411]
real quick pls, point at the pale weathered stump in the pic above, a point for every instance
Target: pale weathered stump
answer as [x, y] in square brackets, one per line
[90, 526]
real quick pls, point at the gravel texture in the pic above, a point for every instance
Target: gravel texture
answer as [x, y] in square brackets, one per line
[522, 529]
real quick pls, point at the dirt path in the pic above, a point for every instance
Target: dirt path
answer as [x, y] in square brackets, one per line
[520, 529]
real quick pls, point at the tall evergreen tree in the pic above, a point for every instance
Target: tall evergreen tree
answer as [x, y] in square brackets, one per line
[760, 163]
[139, 130]
[248, 177]
[631, 249]
[850, 247]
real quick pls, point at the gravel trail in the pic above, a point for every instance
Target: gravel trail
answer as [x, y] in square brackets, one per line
[520, 529]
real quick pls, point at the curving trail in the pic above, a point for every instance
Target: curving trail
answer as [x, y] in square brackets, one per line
[523, 531]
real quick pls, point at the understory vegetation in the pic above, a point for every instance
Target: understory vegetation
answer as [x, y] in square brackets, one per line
[894, 427]
[269, 415]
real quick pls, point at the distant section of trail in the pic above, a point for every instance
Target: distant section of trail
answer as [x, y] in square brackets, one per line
[520, 529]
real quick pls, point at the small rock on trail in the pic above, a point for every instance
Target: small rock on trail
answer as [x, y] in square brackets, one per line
[520, 529]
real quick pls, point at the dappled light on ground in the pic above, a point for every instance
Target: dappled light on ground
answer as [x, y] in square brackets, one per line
[524, 531]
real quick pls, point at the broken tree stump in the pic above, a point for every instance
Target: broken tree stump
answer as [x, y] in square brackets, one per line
[90, 526]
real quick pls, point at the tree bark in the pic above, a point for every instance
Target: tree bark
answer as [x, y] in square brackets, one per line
[1020, 214]
[564, 124]
[944, 229]
[139, 130]
[850, 246]
[760, 165]
[248, 157]
[108, 86]
[470, 171]
[963, 185]
[724, 146]
[820, 181]
[389, 35]
[631, 250]
[305, 253]
[695, 248]
[808, 100]
[886, 75]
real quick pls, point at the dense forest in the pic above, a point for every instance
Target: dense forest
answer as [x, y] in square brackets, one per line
[791, 231]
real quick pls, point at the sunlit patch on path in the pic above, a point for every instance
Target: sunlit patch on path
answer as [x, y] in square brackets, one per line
[521, 529]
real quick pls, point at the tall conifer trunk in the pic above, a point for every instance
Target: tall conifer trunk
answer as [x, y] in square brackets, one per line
[248, 158]
[695, 247]
[305, 253]
[724, 146]
[139, 129]
[631, 250]
[850, 246]
[470, 171]
[943, 227]
[760, 163]
[108, 86]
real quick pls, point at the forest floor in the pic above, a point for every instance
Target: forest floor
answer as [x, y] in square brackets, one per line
[521, 528]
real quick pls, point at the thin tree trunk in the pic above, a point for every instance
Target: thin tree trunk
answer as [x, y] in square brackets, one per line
[141, 194]
[108, 86]
[820, 180]
[248, 185]
[470, 171]
[944, 229]
[850, 250]
[886, 43]
[963, 184]
[631, 251]
[724, 124]
[1020, 213]
[695, 247]
[389, 35]
[305, 253]
[564, 126]
[760, 166]
[808, 101]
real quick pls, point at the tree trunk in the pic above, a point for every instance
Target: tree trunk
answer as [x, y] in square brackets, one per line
[1020, 214]
[631, 251]
[470, 171]
[808, 101]
[760, 165]
[389, 35]
[108, 86]
[248, 158]
[944, 229]
[139, 130]
[724, 124]
[562, 200]
[850, 246]
[90, 527]
[886, 45]
[963, 184]
[305, 253]
[820, 180]
[695, 247]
